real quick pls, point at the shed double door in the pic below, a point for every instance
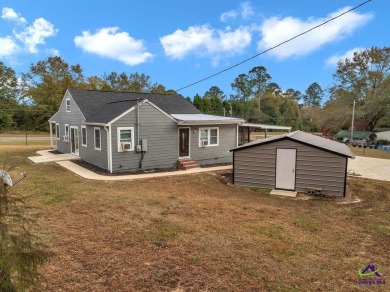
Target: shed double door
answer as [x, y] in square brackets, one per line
[285, 169]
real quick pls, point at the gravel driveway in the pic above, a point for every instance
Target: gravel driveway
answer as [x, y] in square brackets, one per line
[373, 168]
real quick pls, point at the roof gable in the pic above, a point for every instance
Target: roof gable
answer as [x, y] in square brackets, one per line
[104, 106]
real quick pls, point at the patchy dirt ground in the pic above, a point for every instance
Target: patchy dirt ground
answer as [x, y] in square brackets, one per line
[199, 233]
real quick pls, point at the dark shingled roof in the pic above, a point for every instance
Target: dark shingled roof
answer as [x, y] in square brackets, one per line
[104, 106]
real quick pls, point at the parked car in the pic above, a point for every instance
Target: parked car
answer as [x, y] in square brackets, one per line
[359, 143]
[373, 145]
[346, 141]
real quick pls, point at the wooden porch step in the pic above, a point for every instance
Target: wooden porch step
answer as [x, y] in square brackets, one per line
[187, 164]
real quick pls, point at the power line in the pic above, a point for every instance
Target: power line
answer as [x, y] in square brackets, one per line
[274, 47]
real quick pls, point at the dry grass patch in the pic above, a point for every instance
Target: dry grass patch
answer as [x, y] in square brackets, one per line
[196, 232]
[368, 152]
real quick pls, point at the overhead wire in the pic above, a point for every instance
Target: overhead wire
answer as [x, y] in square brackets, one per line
[274, 47]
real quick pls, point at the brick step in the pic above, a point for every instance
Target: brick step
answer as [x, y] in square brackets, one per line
[187, 164]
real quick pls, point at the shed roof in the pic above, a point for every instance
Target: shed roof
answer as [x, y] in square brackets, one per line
[304, 138]
[103, 106]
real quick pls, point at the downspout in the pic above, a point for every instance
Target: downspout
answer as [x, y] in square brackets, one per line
[138, 141]
[137, 122]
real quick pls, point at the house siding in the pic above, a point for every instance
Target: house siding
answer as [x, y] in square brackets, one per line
[89, 153]
[256, 166]
[214, 154]
[72, 118]
[161, 133]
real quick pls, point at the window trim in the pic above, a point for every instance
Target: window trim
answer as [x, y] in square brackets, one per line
[67, 107]
[82, 136]
[208, 136]
[66, 133]
[118, 138]
[100, 138]
[58, 134]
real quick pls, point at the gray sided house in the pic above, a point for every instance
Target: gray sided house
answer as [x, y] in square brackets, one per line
[296, 161]
[122, 131]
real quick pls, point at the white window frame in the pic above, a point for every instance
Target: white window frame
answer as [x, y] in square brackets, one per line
[82, 136]
[67, 105]
[58, 136]
[100, 138]
[208, 136]
[66, 133]
[119, 129]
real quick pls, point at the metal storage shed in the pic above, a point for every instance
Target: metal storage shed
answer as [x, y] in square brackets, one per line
[295, 161]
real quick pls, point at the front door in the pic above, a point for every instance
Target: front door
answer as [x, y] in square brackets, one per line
[74, 133]
[285, 169]
[184, 142]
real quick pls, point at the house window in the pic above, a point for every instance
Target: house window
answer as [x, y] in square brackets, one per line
[125, 139]
[58, 131]
[97, 138]
[67, 102]
[66, 135]
[84, 136]
[208, 137]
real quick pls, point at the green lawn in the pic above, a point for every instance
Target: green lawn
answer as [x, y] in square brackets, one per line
[199, 233]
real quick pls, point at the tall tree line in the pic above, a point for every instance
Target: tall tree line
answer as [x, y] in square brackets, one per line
[28, 102]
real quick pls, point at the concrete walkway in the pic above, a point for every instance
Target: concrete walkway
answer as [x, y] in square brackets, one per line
[85, 173]
[373, 168]
[46, 156]
[366, 167]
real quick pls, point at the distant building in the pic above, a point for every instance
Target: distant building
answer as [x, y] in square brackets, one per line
[357, 135]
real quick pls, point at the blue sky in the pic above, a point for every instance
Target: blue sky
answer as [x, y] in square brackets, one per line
[179, 42]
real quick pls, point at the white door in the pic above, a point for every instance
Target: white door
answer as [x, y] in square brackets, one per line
[285, 169]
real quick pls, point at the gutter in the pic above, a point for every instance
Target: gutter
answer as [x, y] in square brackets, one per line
[221, 122]
[94, 124]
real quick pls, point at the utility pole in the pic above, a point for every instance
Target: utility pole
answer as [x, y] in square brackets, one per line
[259, 98]
[353, 118]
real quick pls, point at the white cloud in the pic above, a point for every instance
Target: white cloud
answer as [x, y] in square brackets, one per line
[108, 42]
[10, 14]
[25, 36]
[276, 30]
[53, 52]
[245, 10]
[36, 34]
[7, 47]
[333, 60]
[206, 41]
[227, 15]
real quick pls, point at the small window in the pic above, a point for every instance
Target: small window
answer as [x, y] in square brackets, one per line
[208, 137]
[97, 139]
[58, 131]
[84, 136]
[66, 135]
[125, 139]
[67, 102]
